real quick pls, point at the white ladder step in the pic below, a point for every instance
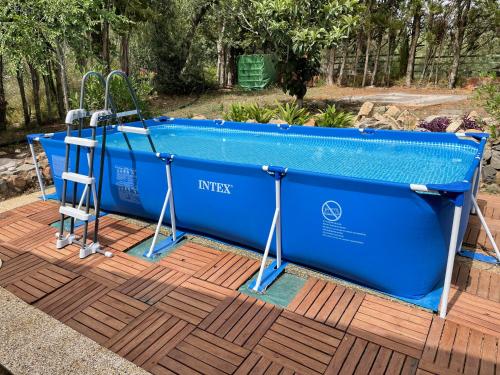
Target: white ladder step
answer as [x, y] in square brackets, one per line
[74, 212]
[133, 129]
[76, 177]
[84, 142]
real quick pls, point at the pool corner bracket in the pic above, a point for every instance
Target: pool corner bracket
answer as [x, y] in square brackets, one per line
[165, 245]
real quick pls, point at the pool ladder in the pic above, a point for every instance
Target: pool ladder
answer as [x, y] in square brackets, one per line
[82, 211]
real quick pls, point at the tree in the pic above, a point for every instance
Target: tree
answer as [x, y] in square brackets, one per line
[3, 100]
[297, 32]
[416, 10]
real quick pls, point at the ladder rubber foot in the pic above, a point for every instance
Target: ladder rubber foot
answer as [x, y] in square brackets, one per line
[64, 241]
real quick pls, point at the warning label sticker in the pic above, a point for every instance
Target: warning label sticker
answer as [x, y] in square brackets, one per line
[334, 229]
[126, 181]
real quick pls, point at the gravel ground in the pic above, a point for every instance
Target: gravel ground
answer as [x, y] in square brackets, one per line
[32, 342]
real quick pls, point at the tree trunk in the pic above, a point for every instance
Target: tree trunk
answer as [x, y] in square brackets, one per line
[330, 66]
[221, 56]
[367, 58]
[356, 58]
[64, 77]
[229, 67]
[341, 77]
[59, 91]
[458, 38]
[48, 97]
[24, 101]
[124, 52]
[105, 54]
[377, 58]
[415, 34]
[35, 82]
[3, 100]
[388, 61]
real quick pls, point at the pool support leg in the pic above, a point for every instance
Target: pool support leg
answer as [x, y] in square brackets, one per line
[37, 170]
[485, 226]
[457, 214]
[266, 276]
[176, 236]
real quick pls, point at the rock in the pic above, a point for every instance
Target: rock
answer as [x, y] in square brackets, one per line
[497, 178]
[495, 160]
[365, 110]
[386, 122]
[278, 121]
[367, 123]
[251, 121]
[47, 173]
[407, 119]
[25, 168]
[4, 187]
[198, 117]
[393, 111]
[430, 118]
[18, 182]
[454, 126]
[2, 153]
[487, 152]
[473, 115]
[310, 122]
[489, 174]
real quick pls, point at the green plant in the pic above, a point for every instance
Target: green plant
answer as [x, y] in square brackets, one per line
[260, 114]
[488, 94]
[332, 118]
[292, 114]
[237, 112]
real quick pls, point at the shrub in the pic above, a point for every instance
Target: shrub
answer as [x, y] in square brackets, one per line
[488, 94]
[439, 124]
[237, 112]
[333, 118]
[470, 123]
[260, 114]
[292, 114]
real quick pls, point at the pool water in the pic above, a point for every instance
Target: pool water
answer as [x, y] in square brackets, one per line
[384, 160]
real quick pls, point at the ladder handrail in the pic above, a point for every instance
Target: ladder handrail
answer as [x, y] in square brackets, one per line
[108, 102]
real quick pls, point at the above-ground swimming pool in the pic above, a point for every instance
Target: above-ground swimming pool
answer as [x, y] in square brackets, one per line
[374, 207]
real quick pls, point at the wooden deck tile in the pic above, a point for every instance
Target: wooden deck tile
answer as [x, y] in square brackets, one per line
[255, 364]
[475, 234]
[392, 325]
[242, 322]
[47, 214]
[149, 337]
[73, 262]
[19, 267]
[105, 317]
[194, 300]
[202, 353]
[230, 270]
[153, 283]
[21, 228]
[116, 270]
[118, 234]
[8, 252]
[190, 258]
[481, 283]
[40, 283]
[299, 343]
[358, 356]
[40, 235]
[474, 312]
[327, 303]
[455, 349]
[72, 298]
[36, 208]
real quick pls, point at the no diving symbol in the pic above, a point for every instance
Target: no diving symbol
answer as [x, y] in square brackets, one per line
[331, 210]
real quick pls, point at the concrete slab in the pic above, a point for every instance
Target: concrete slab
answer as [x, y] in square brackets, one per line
[418, 100]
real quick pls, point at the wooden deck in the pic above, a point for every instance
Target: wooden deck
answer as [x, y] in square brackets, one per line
[185, 315]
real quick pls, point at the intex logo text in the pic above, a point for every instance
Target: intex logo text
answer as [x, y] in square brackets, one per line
[216, 187]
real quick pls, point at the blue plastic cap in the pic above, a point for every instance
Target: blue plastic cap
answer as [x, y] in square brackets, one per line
[165, 156]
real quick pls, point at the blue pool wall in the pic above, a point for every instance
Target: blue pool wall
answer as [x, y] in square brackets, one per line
[388, 237]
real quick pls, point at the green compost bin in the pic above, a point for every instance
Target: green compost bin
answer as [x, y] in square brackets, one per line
[255, 72]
